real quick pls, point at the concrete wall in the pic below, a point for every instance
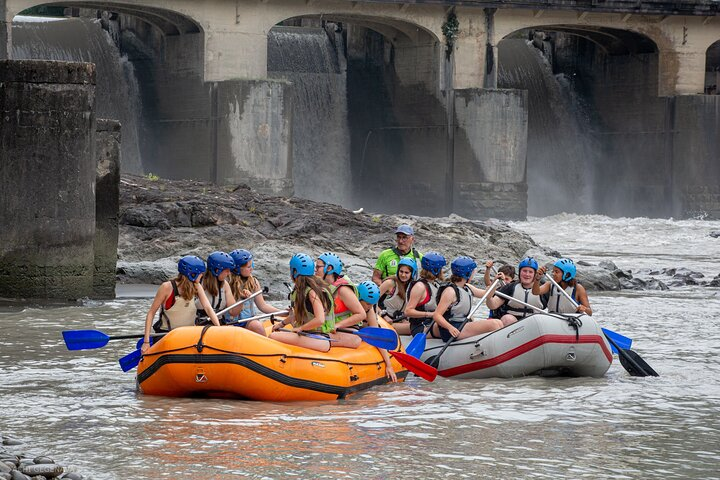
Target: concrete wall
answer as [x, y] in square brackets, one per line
[47, 173]
[253, 134]
[490, 153]
[107, 206]
[696, 156]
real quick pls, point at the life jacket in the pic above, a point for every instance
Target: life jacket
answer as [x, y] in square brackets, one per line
[175, 313]
[341, 310]
[460, 309]
[523, 294]
[329, 324]
[392, 302]
[429, 302]
[216, 302]
[557, 303]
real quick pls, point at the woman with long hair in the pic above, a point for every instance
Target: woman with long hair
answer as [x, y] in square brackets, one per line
[455, 304]
[243, 284]
[421, 302]
[311, 308]
[216, 286]
[347, 310]
[175, 299]
[393, 295]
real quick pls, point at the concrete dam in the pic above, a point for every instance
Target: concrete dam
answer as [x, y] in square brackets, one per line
[490, 110]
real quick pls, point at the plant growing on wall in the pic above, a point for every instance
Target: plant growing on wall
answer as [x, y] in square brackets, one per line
[450, 30]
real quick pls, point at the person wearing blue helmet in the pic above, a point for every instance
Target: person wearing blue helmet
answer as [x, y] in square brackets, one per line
[216, 286]
[454, 304]
[388, 260]
[393, 295]
[243, 284]
[347, 309]
[510, 311]
[421, 302]
[175, 300]
[369, 295]
[563, 272]
[311, 308]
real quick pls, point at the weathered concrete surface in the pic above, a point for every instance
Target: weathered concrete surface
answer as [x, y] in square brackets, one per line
[696, 156]
[47, 172]
[107, 204]
[490, 153]
[253, 140]
[163, 220]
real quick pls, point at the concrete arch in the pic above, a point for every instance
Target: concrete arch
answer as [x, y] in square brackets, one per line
[168, 21]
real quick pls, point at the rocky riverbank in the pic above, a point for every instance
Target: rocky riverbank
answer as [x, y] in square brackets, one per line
[23, 466]
[162, 220]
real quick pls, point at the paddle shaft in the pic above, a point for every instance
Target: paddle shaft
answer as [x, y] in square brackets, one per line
[240, 302]
[567, 295]
[436, 360]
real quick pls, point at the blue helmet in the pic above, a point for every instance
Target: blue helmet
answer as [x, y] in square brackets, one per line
[331, 260]
[463, 267]
[567, 267]
[433, 262]
[191, 267]
[528, 262]
[368, 292]
[302, 264]
[219, 261]
[240, 257]
[408, 262]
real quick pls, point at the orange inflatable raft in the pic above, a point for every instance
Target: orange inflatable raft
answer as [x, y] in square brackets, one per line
[233, 362]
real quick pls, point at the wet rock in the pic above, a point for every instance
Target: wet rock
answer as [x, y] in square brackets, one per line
[43, 460]
[72, 476]
[715, 234]
[5, 476]
[11, 442]
[4, 467]
[47, 470]
[17, 475]
[608, 265]
[715, 282]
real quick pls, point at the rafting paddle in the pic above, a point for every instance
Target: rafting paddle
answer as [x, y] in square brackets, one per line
[416, 366]
[90, 339]
[384, 338]
[434, 361]
[630, 360]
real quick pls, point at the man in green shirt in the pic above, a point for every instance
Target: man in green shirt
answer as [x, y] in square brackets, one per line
[387, 262]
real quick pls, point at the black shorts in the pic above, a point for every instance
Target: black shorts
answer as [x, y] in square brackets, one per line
[418, 325]
[445, 333]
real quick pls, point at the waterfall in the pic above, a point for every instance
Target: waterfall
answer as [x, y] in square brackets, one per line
[117, 94]
[562, 150]
[321, 139]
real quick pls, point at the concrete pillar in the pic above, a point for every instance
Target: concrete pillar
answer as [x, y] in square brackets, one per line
[107, 206]
[252, 139]
[47, 173]
[490, 153]
[491, 51]
[681, 72]
[469, 51]
[696, 150]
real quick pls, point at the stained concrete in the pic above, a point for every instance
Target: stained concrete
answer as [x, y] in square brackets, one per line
[47, 172]
[107, 204]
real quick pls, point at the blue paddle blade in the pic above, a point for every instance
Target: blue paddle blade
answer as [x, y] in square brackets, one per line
[130, 361]
[622, 341]
[385, 338]
[416, 347]
[84, 339]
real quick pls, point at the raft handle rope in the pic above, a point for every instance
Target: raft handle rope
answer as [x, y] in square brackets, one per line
[200, 345]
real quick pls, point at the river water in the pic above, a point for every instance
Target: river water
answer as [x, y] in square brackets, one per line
[82, 410]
